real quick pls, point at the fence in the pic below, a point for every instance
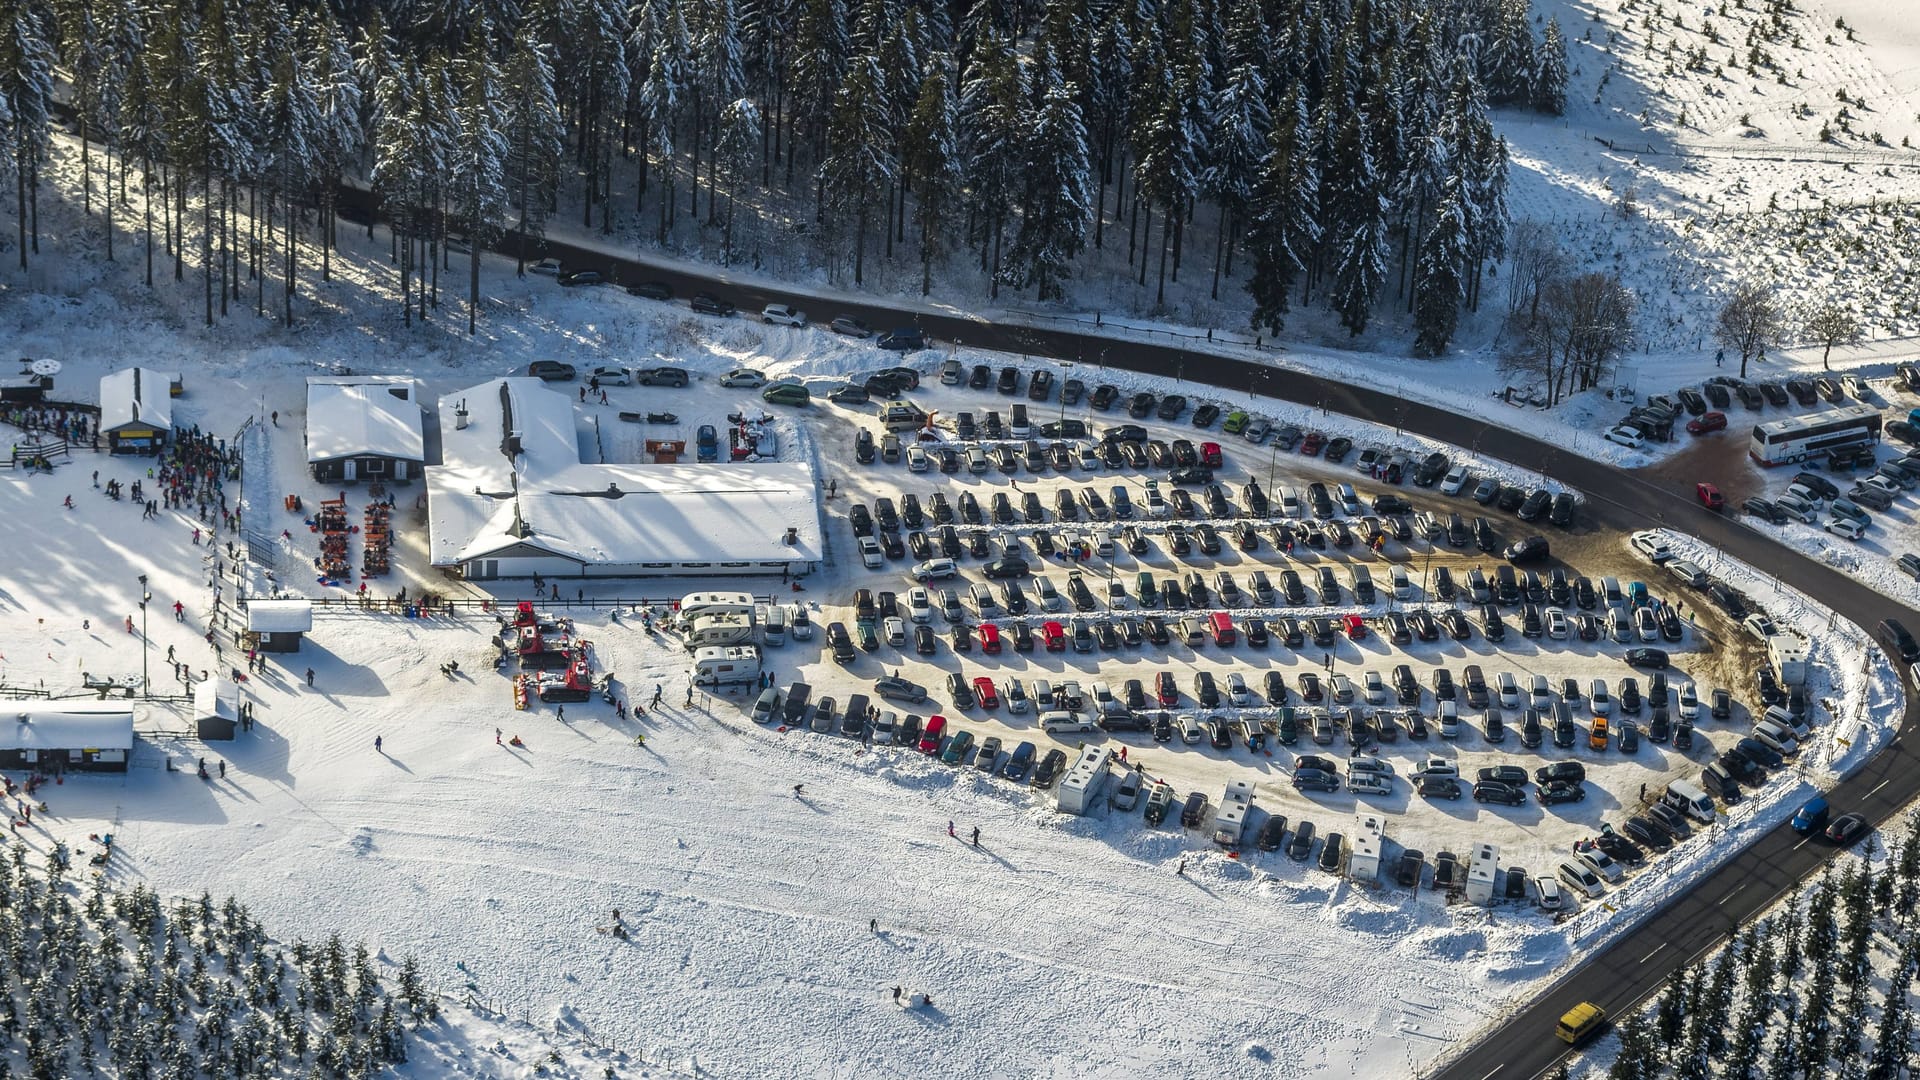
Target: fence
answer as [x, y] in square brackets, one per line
[439, 604]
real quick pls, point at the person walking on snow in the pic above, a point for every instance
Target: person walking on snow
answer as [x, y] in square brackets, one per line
[179, 615]
[1182, 872]
[976, 836]
[657, 691]
[309, 675]
[69, 502]
[196, 536]
[496, 736]
[129, 624]
[949, 827]
[796, 790]
[376, 745]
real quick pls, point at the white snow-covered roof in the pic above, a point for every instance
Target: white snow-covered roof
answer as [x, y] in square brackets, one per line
[136, 397]
[217, 697]
[348, 417]
[280, 616]
[66, 725]
[543, 498]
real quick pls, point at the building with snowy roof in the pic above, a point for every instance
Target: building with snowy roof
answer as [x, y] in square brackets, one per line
[279, 624]
[136, 409]
[515, 495]
[364, 427]
[56, 736]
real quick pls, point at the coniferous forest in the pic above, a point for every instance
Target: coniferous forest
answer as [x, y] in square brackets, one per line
[1332, 153]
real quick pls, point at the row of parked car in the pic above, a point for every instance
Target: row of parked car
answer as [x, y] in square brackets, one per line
[1653, 419]
[1813, 499]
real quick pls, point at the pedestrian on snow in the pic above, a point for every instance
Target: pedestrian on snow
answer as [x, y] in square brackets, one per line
[1182, 872]
[560, 713]
[976, 836]
[96, 478]
[223, 768]
[896, 995]
[86, 624]
[179, 615]
[949, 827]
[657, 691]
[496, 736]
[796, 790]
[129, 624]
[309, 676]
[69, 502]
[376, 743]
[276, 418]
[873, 926]
[196, 537]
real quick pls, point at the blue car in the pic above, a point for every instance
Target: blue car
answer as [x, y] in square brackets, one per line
[1811, 816]
[905, 339]
[708, 444]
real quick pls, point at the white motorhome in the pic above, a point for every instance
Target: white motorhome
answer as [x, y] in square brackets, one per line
[1483, 874]
[728, 665]
[1789, 656]
[1084, 779]
[694, 605]
[1231, 819]
[731, 628]
[1363, 857]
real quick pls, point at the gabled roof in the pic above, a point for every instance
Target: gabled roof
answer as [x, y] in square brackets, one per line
[355, 418]
[136, 397]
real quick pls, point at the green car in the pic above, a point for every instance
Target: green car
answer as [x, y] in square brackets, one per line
[957, 748]
[1145, 591]
[1237, 422]
[786, 394]
[1289, 732]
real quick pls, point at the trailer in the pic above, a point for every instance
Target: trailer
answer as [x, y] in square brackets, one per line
[725, 665]
[1483, 874]
[1789, 656]
[728, 628]
[1231, 819]
[1363, 856]
[1081, 788]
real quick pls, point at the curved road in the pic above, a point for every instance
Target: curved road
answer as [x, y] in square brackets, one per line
[1636, 964]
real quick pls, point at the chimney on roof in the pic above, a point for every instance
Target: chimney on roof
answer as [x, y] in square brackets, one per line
[460, 416]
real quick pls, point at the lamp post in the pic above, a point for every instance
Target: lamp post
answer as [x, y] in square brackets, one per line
[146, 684]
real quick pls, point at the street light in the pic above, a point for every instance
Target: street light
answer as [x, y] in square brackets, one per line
[146, 684]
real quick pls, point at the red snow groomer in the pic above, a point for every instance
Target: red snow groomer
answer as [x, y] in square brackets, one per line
[575, 684]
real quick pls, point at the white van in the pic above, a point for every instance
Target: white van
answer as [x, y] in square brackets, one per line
[728, 665]
[1687, 798]
[1402, 584]
[773, 627]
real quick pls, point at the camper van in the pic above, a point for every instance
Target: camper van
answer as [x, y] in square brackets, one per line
[726, 665]
[732, 628]
[694, 605]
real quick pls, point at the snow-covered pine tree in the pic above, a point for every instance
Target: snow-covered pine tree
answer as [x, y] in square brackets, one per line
[1507, 55]
[1892, 1051]
[1437, 278]
[1238, 140]
[992, 109]
[26, 100]
[1058, 205]
[862, 160]
[736, 159]
[933, 156]
[1549, 91]
[1352, 189]
[290, 136]
[1282, 232]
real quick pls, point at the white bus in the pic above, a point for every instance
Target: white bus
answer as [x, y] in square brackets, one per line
[1800, 437]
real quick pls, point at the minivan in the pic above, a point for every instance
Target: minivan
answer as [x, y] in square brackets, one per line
[1583, 879]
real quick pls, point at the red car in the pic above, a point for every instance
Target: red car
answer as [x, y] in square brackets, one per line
[1713, 421]
[930, 736]
[989, 638]
[983, 692]
[1210, 455]
[1356, 627]
[1166, 689]
[1311, 445]
[1055, 636]
[1709, 496]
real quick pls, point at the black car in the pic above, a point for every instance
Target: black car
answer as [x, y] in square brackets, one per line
[904, 339]
[709, 304]
[1140, 406]
[1171, 407]
[1102, 396]
[1620, 849]
[1528, 550]
[1648, 832]
[1272, 832]
[1040, 385]
[652, 290]
[1205, 415]
[1562, 791]
[1561, 513]
[1654, 659]
[1495, 791]
[583, 277]
[1009, 381]
[1194, 810]
[1301, 845]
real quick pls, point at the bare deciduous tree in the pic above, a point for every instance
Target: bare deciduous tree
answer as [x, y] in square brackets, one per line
[1830, 324]
[1534, 258]
[1750, 320]
[1582, 326]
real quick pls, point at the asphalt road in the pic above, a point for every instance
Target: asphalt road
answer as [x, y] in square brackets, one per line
[1634, 967]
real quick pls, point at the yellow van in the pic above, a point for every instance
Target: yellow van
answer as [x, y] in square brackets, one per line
[1580, 1023]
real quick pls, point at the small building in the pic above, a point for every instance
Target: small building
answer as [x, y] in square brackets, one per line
[66, 736]
[364, 427]
[279, 624]
[1483, 874]
[1084, 779]
[1363, 858]
[136, 409]
[216, 708]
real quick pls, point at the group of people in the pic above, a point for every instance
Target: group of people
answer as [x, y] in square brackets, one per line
[76, 426]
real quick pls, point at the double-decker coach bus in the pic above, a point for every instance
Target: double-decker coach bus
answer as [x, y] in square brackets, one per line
[1797, 438]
